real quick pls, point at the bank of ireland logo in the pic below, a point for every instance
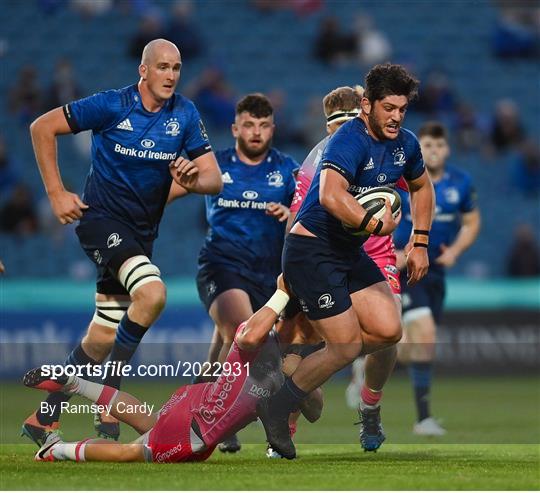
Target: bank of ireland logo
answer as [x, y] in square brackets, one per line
[399, 157]
[172, 127]
[381, 178]
[113, 240]
[250, 195]
[275, 179]
[326, 301]
[148, 143]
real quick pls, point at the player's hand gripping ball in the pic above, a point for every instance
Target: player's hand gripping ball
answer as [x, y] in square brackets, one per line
[373, 200]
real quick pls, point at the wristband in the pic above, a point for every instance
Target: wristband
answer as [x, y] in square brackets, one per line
[377, 228]
[420, 238]
[365, 221]
[278, 301]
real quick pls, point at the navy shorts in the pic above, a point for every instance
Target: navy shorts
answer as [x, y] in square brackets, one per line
[427, 293]
[214, 279]
[323, 279]
[109, 243]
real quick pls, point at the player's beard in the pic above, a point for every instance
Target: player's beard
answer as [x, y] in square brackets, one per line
[253, 154]
[376, 128]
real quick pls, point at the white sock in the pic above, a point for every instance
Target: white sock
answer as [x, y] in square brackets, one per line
[69, 451]
[93, 391]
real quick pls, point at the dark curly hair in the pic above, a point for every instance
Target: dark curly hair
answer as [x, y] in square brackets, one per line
[256, 104]
[389, 80]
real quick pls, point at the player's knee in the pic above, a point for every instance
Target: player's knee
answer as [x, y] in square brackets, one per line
[392, 333]
[151, 297]
[142, 280]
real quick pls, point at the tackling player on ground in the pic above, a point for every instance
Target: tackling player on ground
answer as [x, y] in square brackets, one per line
[138, 133]
[197, 417]
[455, 228]
[341, 290]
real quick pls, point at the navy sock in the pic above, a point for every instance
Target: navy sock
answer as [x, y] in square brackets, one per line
[77, 358]
[421, 374]
[287, 399]
[128, 336]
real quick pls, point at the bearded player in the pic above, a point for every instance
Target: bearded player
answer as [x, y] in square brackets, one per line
[341, 105]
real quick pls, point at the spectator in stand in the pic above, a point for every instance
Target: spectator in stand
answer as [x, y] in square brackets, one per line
[507, 131]
[26, 96]
[436, 97]
[64, 87]
[524, 256]
[183, 30]
[8, 176]
[286, 133]
[18, 216]
[517, 31]
[150, 27]
[526, 168]
[468, 128]
[214, 98]
[372, 45]
[331, 44]
[91, 8]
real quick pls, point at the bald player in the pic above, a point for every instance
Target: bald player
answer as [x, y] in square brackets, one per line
[138, 135]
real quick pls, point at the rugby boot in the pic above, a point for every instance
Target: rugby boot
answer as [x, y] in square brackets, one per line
[106, 426]
[230, 444]
[44, 454]
[371, 430]
[429, 427]
[38, 378]
[277, 429]
[37, 432]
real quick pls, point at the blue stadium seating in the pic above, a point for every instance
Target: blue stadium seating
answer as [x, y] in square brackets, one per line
[264, 52]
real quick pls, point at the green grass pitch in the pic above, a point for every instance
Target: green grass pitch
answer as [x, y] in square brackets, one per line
[492, 444]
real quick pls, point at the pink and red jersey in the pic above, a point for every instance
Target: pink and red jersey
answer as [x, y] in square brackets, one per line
[220, 408]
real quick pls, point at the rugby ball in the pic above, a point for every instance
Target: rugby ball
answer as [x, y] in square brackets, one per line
[373, 200]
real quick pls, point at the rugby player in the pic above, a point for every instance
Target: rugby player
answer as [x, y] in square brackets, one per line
[341, 105]
[138, 133]
[241, 256]
[339, 287]
[455, 228]
[196, 417]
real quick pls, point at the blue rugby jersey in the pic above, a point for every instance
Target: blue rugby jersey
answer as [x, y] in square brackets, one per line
[242, 238]
[454, 195]
[129, 177]
[365, 163]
